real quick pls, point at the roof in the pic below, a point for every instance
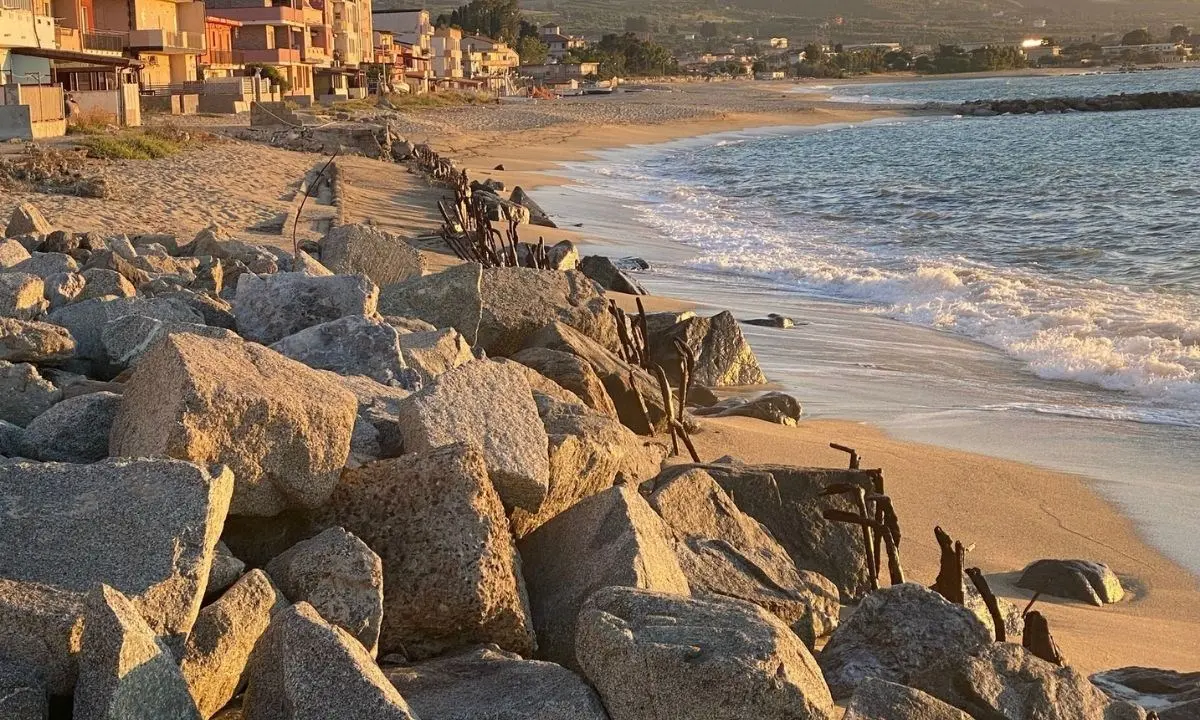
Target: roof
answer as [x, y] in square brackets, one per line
[75, 56]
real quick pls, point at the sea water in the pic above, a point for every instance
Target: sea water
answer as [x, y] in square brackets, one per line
[1026, 286]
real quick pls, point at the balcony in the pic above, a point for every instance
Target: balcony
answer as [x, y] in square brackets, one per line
[222, 58]
[276, 56]
[317, 55]
[171, 42]
[277, 15]
[105, 43]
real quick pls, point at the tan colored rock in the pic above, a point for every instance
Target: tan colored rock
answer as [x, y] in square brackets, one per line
[218, 649]
[306, 669]
[99, 282]
[434, 353]
[224, 571]
[573, 373]
[34, 342]
[40, 628]
[284, 429]
[385, 258]
[448, 299]
[26, 219]
[723, 357]
[451, 575]
[654, 655]
[881, 700]
[611, 538]
[271, 307]
[340, 577]
[518, 302]
[125, 671]
[24, 393]
[22, 296]
[146, 527]
[489, 404]
[12, 253]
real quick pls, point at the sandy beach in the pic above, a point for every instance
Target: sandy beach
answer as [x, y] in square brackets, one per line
[1012, 513]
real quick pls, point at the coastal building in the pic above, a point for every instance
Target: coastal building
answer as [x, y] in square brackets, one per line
[219, 58]
[560, 45]
[293, 38]
[446, 52]
[560, 74]
[413, 27]
[1038, 53]
[31, 104]
[1168, 52]
[404, 66]
[884, 46]
[779, 43]
[490, 61]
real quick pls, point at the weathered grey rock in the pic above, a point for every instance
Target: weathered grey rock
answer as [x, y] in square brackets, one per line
[385, 258]
[99, 283]
[63, 289]
[12, 253]
[219, 646]
[74, 430]
[655, 655]
[340, 577]
[1173, 695]
[108, 260]
[773, 407]
[773, 320]
[271, 307]
[87, 319]
[224, 571]
[40, 628]
[282, 428]
[432, 353]
[610, 538]
[352, 345]
[724, 551]
[11, 440]
[306, 669]
[451, 575]
[212, 309]
[128, 338]
[895, 634]
[1006, 680]
[589, 453]
[405, 325]
[723, 357]
[487, 682]
[537, 216]
[34, 342]
[573, 373]
[146, 527]
[123, 247]
[608, 276]
[1014, 624]
[125, 671]
[449, 299]
[61, 241]
[217, 242]
[789, 502]
[22, 693]
[308, 265]
[519, 302]
[1091, 582]
[22, 296]
[881, 700]
[26, 219]
[489, 404]
[378, 411]
[46, 264]
[24, 394]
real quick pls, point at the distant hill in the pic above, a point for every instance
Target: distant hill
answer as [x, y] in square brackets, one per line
[917, 21]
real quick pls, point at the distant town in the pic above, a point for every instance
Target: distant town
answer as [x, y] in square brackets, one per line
[121, 58]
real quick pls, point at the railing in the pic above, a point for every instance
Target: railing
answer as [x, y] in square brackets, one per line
[223, 57]
[277, 55]
[194, 87]
[68, 38]
[26, 5]
[167, 39]
[105, 42]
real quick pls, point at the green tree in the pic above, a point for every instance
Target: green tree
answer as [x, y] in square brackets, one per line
[814, 53]
[708, 30]
[1140, 36]
[760, 66]
[1180, 33]
[897, 60]
[499, 19]
[641, 23]
[532, 50]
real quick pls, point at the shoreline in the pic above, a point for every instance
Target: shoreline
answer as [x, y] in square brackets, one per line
[1060, 511]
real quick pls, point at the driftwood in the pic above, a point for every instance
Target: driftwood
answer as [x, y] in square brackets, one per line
[687, 440]
[668, 406]
[1037, 639]
[854, 458]
[949, 583]
[989, 599]
[641, 402]
[881, 529]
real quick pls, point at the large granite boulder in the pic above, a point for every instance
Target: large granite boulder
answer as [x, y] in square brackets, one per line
[434, 352]
[34, 342]
[26, 219]
[723, 357]
[451, 575]
[881, 700]
[725, 551]
[571, 372]
[22, 692]
[519, 302]
[589, 453]
[22, 296]
[773, 407]
[40, 629]
[1005, 680]
[306, 669]
[75, 430]
[611, 538]
[63, 289]
[487, 682]
[895, 634]
[340, 577]
[148, 528]
[87, 320]
[1091, 582]
[655, 655]
[378, 415]
[214, 659]
[607, 275]
[46, 264]
[125, 670]
[353, 345]
[1173, 695]
[364, 249]
[490, 404]
[788, 501]
[12, 253]
[449, 299]
[102, 283]
[24, 394]
[271, 307]
[282, 428]
[126, 339]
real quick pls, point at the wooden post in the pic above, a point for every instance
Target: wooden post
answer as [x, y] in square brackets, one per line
[949, 583]
[989, 599]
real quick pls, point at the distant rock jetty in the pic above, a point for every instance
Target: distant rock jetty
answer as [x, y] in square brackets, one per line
[1104, 103]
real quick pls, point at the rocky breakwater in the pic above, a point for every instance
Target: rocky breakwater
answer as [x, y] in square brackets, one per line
[1101, 103]
[241, 483]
